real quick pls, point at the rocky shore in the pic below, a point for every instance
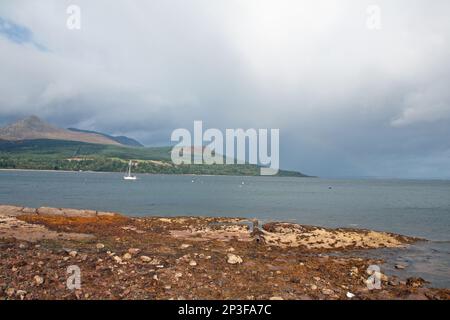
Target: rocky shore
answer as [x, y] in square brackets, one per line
[189, 258]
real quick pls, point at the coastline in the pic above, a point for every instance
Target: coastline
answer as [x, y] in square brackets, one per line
[153, 174]
[190, 257]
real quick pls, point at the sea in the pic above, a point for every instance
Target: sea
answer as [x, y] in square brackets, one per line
[419, 208]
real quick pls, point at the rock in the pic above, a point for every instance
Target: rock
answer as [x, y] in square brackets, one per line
[350, 295]
[38, 280]
[23, 246]
[400, 266]
[21, 294]
[230, 249]
[126, 256]
[178, 275]
[100, 246]
[234, 259]
[393, 282]
[79, 213]
[327, 292]
[10, 210]
[354, 270]
[276, 298]
[313, 287]
[106, 214]
[117, 259]
[185, 246]
[73, 254]
[134, 250]
[192, 263]
[29, 210]
[10, 292]
[145, 259]
[45, 211]
[415, 282]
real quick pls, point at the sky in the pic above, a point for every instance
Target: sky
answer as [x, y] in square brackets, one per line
[350, 99]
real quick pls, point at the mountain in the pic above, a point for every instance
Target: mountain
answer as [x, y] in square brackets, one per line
[34, 144]
[45, 154]
[126, 141]
[33, 128]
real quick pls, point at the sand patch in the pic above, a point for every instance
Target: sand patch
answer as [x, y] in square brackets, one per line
[11, 227]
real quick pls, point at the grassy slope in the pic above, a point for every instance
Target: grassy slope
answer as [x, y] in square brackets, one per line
[54, 155]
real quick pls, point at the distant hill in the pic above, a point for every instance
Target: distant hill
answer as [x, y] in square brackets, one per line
[47, 154]
[33, 128]
[31, 143]
[126, 141]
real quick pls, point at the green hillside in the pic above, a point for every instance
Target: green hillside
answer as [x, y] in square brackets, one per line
[76, 156]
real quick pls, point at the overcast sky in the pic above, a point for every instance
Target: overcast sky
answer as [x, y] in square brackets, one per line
[348, 100]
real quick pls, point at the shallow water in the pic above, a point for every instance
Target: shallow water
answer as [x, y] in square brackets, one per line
[409, 207]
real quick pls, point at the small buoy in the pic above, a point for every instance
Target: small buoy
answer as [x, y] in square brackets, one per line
[329, 188]
[243, 183]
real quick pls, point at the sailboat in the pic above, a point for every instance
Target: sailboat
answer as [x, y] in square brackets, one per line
[129, 176]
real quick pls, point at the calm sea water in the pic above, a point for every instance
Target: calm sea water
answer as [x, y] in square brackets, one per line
[415, 208]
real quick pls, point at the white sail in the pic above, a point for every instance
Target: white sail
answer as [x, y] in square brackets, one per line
[129, 176]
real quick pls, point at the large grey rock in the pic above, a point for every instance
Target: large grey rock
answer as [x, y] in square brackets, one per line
[27, 210]
[45, 211]
[79, 213]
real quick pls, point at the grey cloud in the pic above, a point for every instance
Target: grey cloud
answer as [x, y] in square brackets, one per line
[348, 101]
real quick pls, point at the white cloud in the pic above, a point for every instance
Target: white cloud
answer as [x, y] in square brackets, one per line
[310, 68]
